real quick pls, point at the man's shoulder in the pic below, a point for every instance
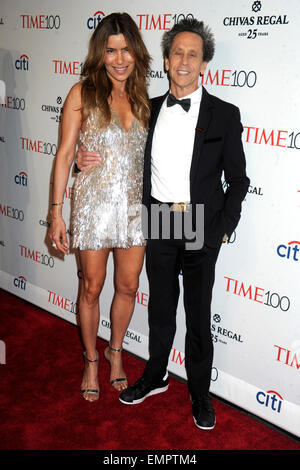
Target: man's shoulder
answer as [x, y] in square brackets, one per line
[155, 105]
[220, 103]
[157, 99]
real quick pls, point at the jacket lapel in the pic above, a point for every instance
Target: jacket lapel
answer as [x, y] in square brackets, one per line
[204, 118]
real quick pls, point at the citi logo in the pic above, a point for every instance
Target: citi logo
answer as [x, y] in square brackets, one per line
[21, 178]
[22, 63]
[93, 22]
[270, 399]
[20, 282]
[289, 251]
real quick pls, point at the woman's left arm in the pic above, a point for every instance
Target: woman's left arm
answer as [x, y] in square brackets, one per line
[71, 123]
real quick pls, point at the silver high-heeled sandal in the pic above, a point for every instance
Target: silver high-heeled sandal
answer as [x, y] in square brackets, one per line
[89, 390]
[119, 379]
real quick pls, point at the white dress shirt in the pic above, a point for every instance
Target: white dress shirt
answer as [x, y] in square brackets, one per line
[172, 149]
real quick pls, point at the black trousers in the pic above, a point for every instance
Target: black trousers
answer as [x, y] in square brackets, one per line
[164, 261]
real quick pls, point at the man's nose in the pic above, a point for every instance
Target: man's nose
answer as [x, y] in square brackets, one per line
[184, 59]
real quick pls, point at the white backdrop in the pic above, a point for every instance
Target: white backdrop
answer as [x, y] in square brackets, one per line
[255, 310]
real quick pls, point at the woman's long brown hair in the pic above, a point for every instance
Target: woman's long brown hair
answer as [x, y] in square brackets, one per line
[97, 87]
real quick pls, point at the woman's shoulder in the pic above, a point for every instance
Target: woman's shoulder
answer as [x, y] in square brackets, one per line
[75, 91]
[73, 98]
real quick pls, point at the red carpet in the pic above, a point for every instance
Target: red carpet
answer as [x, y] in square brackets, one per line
[41, 407]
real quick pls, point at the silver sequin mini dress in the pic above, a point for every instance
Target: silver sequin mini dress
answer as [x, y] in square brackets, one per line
[108, 198]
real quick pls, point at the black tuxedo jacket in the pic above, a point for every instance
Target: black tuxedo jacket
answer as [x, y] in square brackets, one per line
[218, 151]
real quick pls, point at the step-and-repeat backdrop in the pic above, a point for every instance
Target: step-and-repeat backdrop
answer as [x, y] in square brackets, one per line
[255, 321]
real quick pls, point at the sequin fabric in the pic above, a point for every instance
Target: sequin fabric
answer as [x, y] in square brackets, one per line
[107, 198]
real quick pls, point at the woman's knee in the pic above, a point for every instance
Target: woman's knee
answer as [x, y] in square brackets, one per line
[127, 286]
[91, 291]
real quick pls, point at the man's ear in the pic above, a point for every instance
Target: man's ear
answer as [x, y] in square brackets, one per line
[203, 68]
[166, 64]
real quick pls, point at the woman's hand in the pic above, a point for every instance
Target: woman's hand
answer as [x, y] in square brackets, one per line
[58, 234]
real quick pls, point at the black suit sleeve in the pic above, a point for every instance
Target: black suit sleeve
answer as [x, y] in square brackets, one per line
[234, 165]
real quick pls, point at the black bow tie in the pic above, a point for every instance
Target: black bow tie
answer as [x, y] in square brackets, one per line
[185, 103]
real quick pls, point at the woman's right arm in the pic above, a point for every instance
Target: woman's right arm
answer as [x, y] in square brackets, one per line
[71, 123]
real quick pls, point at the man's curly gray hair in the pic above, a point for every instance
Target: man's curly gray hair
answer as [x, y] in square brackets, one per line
[190, 26]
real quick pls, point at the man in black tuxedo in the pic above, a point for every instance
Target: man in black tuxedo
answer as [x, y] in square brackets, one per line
[194, 138]
[187, 151]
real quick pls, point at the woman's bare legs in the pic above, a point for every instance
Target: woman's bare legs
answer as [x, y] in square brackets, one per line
[93, 265]
[128, 266]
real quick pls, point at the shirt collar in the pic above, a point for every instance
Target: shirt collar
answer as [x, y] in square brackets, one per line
[196, 96]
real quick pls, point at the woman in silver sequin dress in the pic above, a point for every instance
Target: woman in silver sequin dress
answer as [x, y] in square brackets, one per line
[108, 112]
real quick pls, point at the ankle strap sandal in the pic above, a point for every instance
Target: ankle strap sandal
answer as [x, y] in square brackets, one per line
[119, 379]
[89, 390]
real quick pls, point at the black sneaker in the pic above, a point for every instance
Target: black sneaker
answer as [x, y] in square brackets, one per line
[203, 412]
[142, 389]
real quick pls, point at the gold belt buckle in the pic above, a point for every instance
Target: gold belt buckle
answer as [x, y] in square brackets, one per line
[180, 206]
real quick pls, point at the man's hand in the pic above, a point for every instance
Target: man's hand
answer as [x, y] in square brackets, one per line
[87, 160]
